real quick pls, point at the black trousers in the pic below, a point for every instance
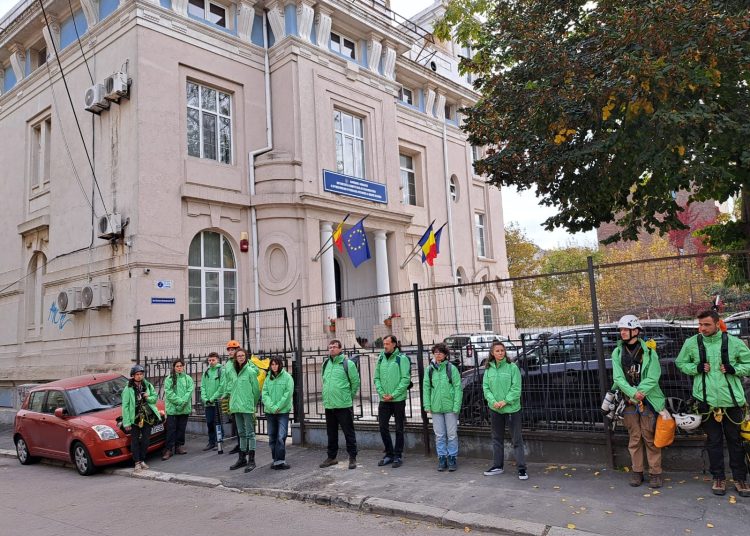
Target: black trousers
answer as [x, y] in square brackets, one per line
[139, 438]
[211, 423]
[344, 418]
[176, 425]
[398, 411]
[716, 432]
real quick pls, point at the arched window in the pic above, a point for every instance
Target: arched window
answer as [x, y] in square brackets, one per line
[212, 276]
[487, 313]
[454, 188]
[37, 269]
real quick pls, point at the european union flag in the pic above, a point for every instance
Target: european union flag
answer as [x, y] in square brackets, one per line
[356, 244]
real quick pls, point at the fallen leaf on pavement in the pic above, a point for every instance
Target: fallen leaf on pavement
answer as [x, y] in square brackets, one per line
[608, 512]
[596, 473]
[555, 487]
[710, 525]
[656, 492]
[699, 499]
[571, 526]
[467, 529]
[647, 495]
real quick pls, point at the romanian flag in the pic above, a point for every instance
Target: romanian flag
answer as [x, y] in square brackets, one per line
[338, 239]
[429, 246]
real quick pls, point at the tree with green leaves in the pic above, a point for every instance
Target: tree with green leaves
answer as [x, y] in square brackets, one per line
[607, 108]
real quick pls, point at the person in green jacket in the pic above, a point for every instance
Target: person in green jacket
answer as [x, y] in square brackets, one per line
[232, 347]
[210, 393]
[277, 402]
[442, 398]
[139, 414]
[502, 391]
[636, 371]
[178, 399]
[717, 361]
[241, 386]
[340, 386]
[392, 381]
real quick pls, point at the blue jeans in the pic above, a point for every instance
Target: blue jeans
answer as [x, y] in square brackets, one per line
[246, 430]
[278, 424]
[445, 426]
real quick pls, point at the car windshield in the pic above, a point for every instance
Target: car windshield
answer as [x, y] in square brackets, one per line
[98, 396]
[456, 342]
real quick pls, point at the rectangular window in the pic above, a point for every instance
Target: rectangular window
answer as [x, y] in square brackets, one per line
[479, 225]
[210, 11]
[449, 112]
[406, 96]
[209, 123]
[343, 45]
[39, 154]
[408, 180]
[350, 144]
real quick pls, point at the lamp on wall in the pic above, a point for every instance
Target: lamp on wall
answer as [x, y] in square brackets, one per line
[244, 242]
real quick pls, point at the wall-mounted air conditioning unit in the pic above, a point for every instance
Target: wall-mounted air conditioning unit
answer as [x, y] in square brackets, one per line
[97, 295]
[110, 226]
[95, 100]
[69, 300]
[116, 86]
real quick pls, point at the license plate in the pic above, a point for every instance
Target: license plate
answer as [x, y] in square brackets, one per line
[157, 428]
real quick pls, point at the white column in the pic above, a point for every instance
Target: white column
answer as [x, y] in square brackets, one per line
[440, 106]
[323, 20]
[327, 271]
[18, 61]
[51, 35]
[389, 60]
[90, 11]
[429, 100]
[381, 271]
[374, 50]
[276, 20]
[245, 19]
[305, 15]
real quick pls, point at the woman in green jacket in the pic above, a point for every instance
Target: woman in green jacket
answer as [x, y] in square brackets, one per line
[139, 414]
[636, 372]
[178, 398]
[277, 402]
[242, 388]
[442, 398]
[502, 390]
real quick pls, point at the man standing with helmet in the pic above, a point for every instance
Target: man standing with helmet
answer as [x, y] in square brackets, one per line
[717, 360]
[636, 371]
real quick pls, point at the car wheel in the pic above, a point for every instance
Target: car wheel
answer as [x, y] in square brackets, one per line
[82, 460]
[22, 451]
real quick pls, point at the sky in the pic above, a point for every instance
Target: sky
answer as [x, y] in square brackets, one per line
[521, 208]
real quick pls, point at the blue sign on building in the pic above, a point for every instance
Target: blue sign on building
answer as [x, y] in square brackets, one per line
[162, 301]
[354, 187]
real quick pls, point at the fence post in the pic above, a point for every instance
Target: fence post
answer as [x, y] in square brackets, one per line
[231, 326]
[182, 336]
[138, 342]
[602, 366]
[299, 411]
[420, 370]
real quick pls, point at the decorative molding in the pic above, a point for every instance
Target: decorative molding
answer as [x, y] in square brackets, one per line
[180, 7]
[17, 60]
[440, 106]
[276, 20]
[429, 100]
[40, 223]
[305, 16]
[374, 50]
[52, 34]
[389, 61]
[245, 19]
[90, 11]
[323, 20]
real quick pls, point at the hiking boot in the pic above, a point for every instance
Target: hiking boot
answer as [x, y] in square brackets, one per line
[452, 465]
[742, 487]
[181, 450]
[282, 466]
[235, 450]
[352, 462]
[494, 470]
[167, 454]
[144, 466]
[385, 461]
[397, 462]
[241, 462]
[328, 462]
[719, 487]
[522, 474]
[250, 461]
[636, 479]
[210, 446]
[442, 463]
[655, 481]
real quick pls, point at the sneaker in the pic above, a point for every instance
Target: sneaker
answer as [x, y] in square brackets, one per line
[138, 468]
[144, 466]
[522, 474]
[328, 462]
[442, 463]
[452, 465]
[719, 487]
[655, 481]
[743, 489]
[282, 466]
[397, 462]
[494, 470]
[352, 462]
[385, 461]
[636, 479]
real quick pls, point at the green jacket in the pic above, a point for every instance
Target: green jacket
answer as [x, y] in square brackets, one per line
[502, 383]
[277, 392]
[338, 390]
[211, 384]
[178, 398]
[128, 403]
[393, 375]
[242, 388]
[717, 383]
[442, 396]
[650, 374]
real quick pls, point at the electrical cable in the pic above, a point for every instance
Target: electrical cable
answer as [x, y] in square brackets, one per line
[42, 266]
[78, 36]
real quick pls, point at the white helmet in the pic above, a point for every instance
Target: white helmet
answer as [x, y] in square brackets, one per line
[629, 322]
[687, 421]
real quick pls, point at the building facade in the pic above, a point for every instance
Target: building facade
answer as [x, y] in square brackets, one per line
[249, 129]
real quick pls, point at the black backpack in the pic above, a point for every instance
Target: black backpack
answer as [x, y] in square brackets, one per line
[398, 364]
[345, 363]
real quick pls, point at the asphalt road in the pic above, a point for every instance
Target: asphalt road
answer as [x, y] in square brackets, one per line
[54, 501]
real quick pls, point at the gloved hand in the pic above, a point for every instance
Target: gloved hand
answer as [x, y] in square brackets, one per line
[728, 369]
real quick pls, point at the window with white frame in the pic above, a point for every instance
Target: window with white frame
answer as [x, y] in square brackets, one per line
[449, 112]
[408, 179]
[209, 123]
[350, 144]
[479, 226]
[39, 153]
[487, 313]
[454, 188]
[212, 276]
[406, 96]
[213, 12]
[460, 279]
[343, 45]
[37, 269]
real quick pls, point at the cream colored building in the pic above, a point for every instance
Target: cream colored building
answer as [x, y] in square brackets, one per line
[227, 133]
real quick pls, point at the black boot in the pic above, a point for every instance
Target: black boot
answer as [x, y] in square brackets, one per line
[241, 462]
[251, 461]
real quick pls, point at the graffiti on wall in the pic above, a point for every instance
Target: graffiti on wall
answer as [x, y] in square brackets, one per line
[57, 318]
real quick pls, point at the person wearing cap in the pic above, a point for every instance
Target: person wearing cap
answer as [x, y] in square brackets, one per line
[636, 371]
[717, 361]
[139, 414]
[232, 347]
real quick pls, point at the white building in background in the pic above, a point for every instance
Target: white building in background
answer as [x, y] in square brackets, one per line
[236, 153]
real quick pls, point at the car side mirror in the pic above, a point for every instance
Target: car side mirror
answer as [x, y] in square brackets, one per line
[61, 413]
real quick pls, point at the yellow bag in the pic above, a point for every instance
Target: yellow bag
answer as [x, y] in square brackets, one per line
[665, 429]
[263, 366]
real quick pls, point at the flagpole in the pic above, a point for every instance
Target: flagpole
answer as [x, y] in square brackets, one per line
[321, 251]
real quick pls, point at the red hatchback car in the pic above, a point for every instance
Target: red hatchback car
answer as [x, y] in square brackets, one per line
[76, 419]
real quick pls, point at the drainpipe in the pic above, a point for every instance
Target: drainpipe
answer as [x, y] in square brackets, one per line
[448, 202]
[251, 171]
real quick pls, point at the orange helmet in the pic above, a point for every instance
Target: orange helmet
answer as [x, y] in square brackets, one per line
[233, 344]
